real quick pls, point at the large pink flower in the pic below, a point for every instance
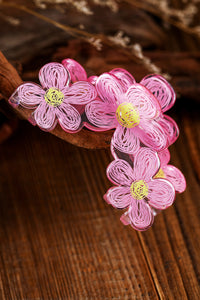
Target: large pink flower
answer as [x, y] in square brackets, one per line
[138, 190]
[56, 100]
[133, 110]
[170, 172]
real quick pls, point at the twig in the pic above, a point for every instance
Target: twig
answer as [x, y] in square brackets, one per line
[156, 12]
[80, 33]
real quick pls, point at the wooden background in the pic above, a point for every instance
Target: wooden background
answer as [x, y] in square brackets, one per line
[58, 237]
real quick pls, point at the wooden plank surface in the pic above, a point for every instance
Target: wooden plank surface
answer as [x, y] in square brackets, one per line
[60, 240]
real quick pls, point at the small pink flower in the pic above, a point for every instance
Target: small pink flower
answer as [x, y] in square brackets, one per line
[55, 100]
[133, 110]
[170, 172]
[138, 190]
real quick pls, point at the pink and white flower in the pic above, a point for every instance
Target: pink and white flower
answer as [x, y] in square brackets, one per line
[57, 100]
[133, 110]
[138, 190]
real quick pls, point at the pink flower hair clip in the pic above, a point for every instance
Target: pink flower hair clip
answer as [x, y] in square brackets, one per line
[135, 110]
[56, 100]
[138, 189]
[145, 182]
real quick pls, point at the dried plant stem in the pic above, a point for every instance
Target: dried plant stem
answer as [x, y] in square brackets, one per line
[161, 15]
[71, 30]
[80, 33]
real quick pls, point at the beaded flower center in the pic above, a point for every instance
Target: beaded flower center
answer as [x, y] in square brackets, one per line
[127, 115]
[54, 97]
[160, 174]
[139, 189]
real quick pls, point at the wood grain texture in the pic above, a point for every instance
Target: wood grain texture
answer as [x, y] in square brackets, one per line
[60, 240]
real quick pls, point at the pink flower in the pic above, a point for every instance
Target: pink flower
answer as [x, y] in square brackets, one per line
[77, 72]
[133, 110]
[55, 100]
[170, 172]
[138, 190]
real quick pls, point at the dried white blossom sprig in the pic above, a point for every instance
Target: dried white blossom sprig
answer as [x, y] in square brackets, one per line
[97, 43]
[81, 6]
[180, 18]
[11, 20]
[97, 39]
[112, 4]
[120, 39]
[184, 15]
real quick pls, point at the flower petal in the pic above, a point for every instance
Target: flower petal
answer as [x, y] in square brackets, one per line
[170, 127]
[100, 114]
[54, 75]
[161, 193]
[125, 140]
[139, 215]
[68, 117]
[45, 116]
[28, 95]
[120, 172]
[146, 104]
[124, 76]
[161, 89]
[146, 164]
[152, 135]
[109, 88]
[76, 71]
[92, 79]
[81, 92]
[164, 157]
[176, 178]
[118, 196]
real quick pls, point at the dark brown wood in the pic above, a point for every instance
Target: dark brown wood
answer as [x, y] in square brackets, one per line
[58, 238]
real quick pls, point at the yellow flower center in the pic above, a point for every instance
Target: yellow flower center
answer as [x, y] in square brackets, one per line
[54, 97]
[160, 174]
[139, 189]
[127, 115]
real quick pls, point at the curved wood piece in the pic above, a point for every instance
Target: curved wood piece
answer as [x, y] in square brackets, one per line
[10, 80]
